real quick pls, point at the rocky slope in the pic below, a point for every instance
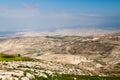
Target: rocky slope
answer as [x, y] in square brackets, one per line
[96, 55]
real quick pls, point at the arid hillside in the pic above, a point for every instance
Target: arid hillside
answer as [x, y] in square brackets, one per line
[97, 55]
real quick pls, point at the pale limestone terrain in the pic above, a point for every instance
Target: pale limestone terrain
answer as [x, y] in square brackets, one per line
[90, 55]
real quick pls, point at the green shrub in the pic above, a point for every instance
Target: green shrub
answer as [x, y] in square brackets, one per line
[7, 56]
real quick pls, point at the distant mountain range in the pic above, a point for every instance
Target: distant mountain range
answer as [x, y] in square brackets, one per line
[62, 32]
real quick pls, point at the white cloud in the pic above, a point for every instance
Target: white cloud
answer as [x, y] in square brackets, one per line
[19, 12]
[30, 18]
[28, 11]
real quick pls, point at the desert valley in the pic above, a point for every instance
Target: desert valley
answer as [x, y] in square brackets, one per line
[51, 57]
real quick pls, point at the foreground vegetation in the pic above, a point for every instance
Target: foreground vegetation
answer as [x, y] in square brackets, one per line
[6, 57]
[75, 77]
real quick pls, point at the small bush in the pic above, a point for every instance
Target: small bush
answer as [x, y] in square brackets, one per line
[7, 56]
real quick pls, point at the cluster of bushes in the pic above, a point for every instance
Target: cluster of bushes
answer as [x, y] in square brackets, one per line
[75, 77]
[6, 57]
[54, 37]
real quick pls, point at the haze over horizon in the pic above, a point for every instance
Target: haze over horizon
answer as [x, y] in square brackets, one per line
[50, 15]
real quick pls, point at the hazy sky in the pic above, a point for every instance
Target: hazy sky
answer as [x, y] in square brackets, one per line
[32, 15]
